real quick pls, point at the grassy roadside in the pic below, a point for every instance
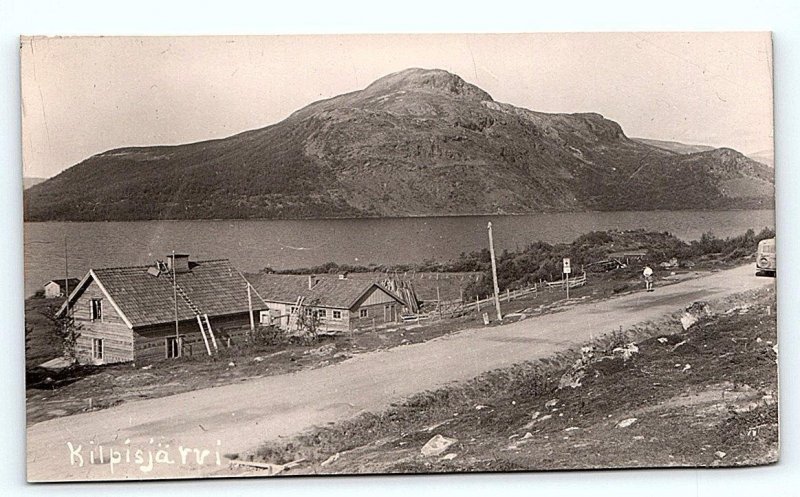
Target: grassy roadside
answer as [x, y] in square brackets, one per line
[702, 397]
[86, 388]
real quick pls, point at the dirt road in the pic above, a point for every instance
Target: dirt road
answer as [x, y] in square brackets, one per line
[187, 435]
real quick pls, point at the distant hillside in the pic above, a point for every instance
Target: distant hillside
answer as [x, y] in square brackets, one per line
[416, 142]
[29, 182]
[672, 146]
[763, 156]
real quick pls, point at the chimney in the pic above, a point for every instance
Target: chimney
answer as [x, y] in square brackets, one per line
[312, 280]
[180, 263]
[343, 276]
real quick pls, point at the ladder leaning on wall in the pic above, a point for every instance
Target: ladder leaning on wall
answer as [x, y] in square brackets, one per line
[294, 313]
[205, 330]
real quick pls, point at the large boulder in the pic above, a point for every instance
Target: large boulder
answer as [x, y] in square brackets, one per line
[694, 313]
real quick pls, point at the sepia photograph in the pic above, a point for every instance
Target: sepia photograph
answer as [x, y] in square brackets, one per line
[275, 256]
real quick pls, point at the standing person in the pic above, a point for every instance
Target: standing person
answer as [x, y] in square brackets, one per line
[648, 277]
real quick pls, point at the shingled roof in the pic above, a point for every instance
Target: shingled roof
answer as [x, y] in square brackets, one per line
[144, 299]
[325, 292]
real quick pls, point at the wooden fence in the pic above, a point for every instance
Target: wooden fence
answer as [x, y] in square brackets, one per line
[506, 296]
[561, 284]
[453, 308]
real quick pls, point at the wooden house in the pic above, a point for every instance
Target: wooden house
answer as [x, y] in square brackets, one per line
[59, 288]
[129, 313]
[336, 303]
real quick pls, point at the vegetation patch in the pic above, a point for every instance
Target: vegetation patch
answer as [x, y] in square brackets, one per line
[542, 261]
[657, 395]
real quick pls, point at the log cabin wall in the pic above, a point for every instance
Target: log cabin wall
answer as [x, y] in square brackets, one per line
[117, 343]
[280, 317]
[380, 309]
[331, 323]
[378, 314]
[117, 338]
[150, 342]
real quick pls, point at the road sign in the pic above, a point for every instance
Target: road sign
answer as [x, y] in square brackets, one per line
[567, 268]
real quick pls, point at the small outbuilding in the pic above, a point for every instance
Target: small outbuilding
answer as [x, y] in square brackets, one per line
[59, 288]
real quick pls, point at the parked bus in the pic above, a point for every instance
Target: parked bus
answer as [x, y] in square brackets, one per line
[765, 259]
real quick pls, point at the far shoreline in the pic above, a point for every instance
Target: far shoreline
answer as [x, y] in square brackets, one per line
[409, 216]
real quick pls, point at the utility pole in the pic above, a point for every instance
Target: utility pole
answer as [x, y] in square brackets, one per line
[66, 274]
[250, 308]
[175, 298]
[494, 274]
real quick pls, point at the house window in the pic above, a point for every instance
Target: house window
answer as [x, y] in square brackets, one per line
[322, 313]
[264, 317]
[174, 347]
[97, 349]
[363, 313]
[337, 314]
[309, 311]
[96, 312]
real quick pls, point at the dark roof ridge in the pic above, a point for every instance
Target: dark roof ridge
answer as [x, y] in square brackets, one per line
[145, 266]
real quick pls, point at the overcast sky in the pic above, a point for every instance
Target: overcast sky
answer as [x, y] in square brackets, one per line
[82, 96]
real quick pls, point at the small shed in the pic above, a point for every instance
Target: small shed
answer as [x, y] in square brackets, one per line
[59, 288]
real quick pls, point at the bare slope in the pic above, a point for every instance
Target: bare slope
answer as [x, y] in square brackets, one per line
[416, 142]
[706, 396]
[673, 146]
[766, 157]
[29, 182]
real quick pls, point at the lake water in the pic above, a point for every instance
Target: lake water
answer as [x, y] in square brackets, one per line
[254, 244]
